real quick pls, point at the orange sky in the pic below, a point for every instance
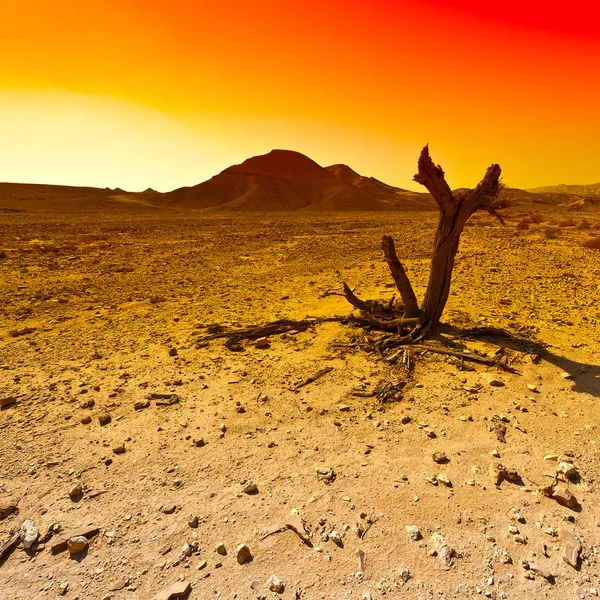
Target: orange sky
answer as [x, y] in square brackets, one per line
[138, 93]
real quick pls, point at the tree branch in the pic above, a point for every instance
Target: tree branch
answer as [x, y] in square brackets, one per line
[432, 177]
[411, 307]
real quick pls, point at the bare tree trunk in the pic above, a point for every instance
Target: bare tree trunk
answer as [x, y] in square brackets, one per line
[455, 211]
[411, 306]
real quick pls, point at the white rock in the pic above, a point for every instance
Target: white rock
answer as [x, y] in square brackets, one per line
[29, 533]
[275, 584]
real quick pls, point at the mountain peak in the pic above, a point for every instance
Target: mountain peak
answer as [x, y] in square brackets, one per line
[282, 164]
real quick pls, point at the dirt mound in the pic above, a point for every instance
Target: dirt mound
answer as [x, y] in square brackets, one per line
[284, 180]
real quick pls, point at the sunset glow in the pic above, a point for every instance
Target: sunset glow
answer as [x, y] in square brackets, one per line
[136, 93]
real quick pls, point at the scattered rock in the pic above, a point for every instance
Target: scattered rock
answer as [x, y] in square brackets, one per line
[405, 575]
[250, 488]
[491, 380]
[199, 443]
[262, 344]
[9, 401]
[7, 508]
[343, 408]
[243, 554]
[193, 521]
[443, 479]
[29, 533]
[119, 449]
[104, 419]
[76, 492]
[445, 552]
[564, 496]
[63, 588]
[86, 420]
[414, 533]
[533, 388]
[542, 572]
[327, 475]
[440, 457]
[220, 549]
[571, 548]
[169, 509]
[181, 589]
[568, 470]
[141, 405]
[61, 543]
[566, 375]
[173, 352]
[275, 584]
[77, 545]
[336, 538]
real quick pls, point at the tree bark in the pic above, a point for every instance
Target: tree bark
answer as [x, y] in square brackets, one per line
[411, 306]
[455, 211]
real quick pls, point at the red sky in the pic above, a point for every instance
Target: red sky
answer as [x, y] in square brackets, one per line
[140, 93]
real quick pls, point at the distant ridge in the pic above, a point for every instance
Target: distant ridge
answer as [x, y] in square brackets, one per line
[590, 189]
[284, 180]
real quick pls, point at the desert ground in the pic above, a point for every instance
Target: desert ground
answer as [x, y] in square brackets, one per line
[101, 311]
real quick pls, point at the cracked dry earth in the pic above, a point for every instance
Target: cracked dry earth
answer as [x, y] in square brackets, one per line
[99, 312]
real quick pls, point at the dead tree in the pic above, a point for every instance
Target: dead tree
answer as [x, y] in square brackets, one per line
[455, 210]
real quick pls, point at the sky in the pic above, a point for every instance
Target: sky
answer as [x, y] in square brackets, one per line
[166, 93]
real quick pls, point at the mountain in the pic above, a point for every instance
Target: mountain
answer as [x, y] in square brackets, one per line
[284, 180]
[590, 189]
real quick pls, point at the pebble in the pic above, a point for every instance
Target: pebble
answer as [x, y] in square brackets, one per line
[564, 497]
[29, 533]
[336, 538]
[405, 575]
[275, 584]
[76, 491]
[414, 533]
[193, 521]
[440, 457]
[571, 549]
[262, 343]
[86, 421]
[566, 375]
[568, 470]
[63, 588]
[492, 380]
[243, 554]
[104, 419]
[445, 552]
[77, 544]
[533, 388]
[119, 449]
[250, 487]
[220, 549]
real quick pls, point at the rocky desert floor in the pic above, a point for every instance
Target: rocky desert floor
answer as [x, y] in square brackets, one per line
[121, 424]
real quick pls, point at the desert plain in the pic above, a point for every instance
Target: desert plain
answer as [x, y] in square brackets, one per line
[334, 492]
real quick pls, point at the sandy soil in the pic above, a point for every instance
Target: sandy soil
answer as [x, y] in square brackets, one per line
[105, 310]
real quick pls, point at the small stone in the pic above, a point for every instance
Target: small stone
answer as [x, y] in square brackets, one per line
[141, 405]
[76, 491]
[77, 544]
[495, 454]
[200, 443]
[275, 584]
[568, 470]
[414, 533]
[445, 552]
[63, 588]
[262, 343]
[250, 488]
[443, 479]
[429, 432]
[243, 554]
[193, 521]
[343, 408]
[119, 449]
[492, 380]
[564, 497]
[86, 421]
[440, 457]
[513, 530]
[336, 538]
[29, 533]
[566, 375]
[405, 420]
[169, 509]
[533, 388]
[571, 549]
[181, 589]
[405, 575]
[104, 419]
[542, 572]
[173, 352]
[551, 457]
[220, 549]
[520, 539]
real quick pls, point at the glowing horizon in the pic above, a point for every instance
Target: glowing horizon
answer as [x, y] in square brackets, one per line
[136, 94]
